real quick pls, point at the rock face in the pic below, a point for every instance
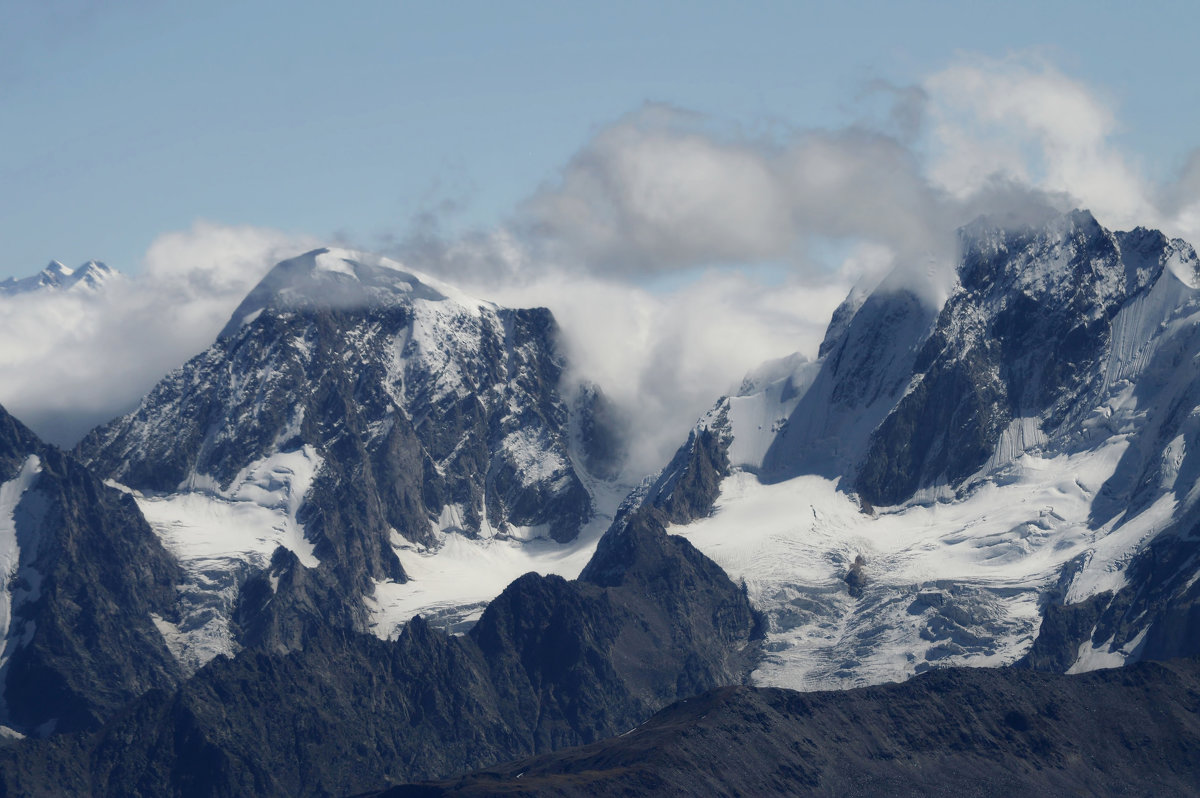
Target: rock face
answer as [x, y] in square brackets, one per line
[360, 406]
[954, 732]
[689, 485]
[1024, 335]
[1154, 615]
[82, 575]
[550, 663]
[942, 482]
[429, 398]
[867, 362]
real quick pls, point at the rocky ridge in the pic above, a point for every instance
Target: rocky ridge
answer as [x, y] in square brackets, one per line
[551, 663]
[79, 640]
[954, 732]
[940, 480]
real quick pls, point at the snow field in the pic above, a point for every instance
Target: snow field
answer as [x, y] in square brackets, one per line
[989, 554]
[451, 584]
[221, 536]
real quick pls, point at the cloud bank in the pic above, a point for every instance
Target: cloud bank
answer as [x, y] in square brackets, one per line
[652, 242]
[677, 251]
[660, 190]
[72, 360]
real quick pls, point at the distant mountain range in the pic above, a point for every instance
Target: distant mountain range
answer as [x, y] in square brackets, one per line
[91, 276]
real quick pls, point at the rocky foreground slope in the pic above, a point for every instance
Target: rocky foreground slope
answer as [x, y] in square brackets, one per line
[954, 732]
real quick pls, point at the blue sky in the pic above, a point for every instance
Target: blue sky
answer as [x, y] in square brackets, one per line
[122, 121]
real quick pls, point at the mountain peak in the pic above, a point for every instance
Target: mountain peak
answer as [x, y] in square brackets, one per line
[343, 279]
[58, 277]
[1069, 255]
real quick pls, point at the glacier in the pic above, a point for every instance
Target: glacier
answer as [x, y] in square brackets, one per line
[960, 572]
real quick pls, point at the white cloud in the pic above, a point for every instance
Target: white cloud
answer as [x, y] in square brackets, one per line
[1020, 119]
[666, 191]
[69, 361]
[665, 357]
[662, 190]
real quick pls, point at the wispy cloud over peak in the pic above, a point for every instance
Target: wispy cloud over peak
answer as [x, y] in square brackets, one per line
[663, 189]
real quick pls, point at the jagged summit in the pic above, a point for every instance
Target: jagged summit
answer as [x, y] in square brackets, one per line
[941, 479]
[56, 268]
[1067, 256]
[57, 277]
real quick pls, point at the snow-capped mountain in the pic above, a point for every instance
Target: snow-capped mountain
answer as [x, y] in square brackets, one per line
[372, 442]
[91, 276]
[941, 479]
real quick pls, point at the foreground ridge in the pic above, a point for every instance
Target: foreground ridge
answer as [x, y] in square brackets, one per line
[952, 732]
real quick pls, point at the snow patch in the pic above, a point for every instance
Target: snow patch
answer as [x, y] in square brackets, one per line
[221, 536]
[533, 456]
[335, 261]
[450, 520]
[451, 584]
[1094, 658]
[358, 264]
[437, 338]
[11, 493]
[248, 520]
[1182, 264]
[195, 644]
[946, 582]
[757, 419]
[1022, 435]
[1114, 545]
[250, 317]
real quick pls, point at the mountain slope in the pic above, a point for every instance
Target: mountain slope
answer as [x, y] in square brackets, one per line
[82, 575]
[550, 663]
[354, 413]
[954, 732]
[942, 479]
[1025, 335]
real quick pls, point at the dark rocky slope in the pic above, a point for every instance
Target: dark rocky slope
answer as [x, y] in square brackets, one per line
[1156, 615]
[551, 663]
[79, 640]
[1025, 333]
[954, 732]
